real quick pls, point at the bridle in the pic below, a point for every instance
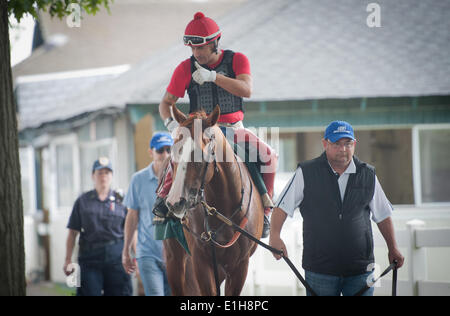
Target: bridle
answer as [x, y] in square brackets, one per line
[199, 199]
[208, 235]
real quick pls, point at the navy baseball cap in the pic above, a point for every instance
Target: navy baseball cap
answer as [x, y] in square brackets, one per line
[102, 163]
[160, 140]
[337, 130]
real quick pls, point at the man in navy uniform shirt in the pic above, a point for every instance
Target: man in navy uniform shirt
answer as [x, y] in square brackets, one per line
[99, 216]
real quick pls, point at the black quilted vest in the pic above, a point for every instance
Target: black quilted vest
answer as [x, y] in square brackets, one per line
[208, 95]
[337, 235]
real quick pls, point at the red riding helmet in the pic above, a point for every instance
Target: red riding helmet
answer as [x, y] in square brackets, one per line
[201, 31]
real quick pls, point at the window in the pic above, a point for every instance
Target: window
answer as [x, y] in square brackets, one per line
[60, 166]
[101, 128]
[287, 153]
[96, 140]
[64, 175]
[27, 179]
[89, 152]
[412, 165]
[389, 150]
[285, 145]
[432, 164]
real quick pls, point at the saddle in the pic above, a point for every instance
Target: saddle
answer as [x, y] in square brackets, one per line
[243, 152]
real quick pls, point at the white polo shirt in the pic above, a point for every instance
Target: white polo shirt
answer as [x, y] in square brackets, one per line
[292, 194]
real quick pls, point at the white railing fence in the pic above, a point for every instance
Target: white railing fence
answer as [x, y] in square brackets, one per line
[267, 276]
[416, 239]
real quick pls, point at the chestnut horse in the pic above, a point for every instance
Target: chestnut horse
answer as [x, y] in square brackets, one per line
[229, 188]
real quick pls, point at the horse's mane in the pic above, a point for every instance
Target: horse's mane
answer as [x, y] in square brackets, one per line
[201, 114]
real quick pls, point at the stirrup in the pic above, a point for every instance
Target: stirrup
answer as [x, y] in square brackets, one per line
[267, 201]
[266, 227]
[160, 209]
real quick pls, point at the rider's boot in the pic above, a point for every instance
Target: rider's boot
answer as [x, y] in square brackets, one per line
[269, 156]
[269, 180]
[268, 205]
[266, 227]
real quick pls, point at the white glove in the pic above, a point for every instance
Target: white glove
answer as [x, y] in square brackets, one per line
[202, 75]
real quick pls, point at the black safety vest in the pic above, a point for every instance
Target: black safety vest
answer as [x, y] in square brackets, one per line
[337, 235]
[208, 95]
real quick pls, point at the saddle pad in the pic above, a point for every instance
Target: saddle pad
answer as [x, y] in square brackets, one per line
[170, 228]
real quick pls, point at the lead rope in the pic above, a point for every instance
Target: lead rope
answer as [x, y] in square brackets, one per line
[392, 266]
[213, 254]
[209, 234]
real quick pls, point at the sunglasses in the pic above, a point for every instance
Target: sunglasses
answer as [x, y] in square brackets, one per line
[198, 40]
[163, 149]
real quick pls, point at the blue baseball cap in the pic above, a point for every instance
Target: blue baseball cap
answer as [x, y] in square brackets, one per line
[160, 140]
[102, 163]
[337, 130]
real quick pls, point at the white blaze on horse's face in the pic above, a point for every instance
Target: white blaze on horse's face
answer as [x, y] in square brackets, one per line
[176, 200]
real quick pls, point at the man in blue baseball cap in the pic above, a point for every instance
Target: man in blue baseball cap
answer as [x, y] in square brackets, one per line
[140, 199]
[337, 130]
[339, 144]
[338, 195]
[161, 140]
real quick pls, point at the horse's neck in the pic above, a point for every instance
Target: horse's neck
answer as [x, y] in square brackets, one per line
[227, 182]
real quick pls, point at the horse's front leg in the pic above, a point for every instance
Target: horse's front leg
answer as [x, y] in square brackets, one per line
[204, 272]
[236, 279]
[175, 266]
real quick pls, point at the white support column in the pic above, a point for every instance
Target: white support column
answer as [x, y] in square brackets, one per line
[417, 263]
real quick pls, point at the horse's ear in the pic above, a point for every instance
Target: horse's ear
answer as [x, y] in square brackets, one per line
[178, 115]
[214, 116]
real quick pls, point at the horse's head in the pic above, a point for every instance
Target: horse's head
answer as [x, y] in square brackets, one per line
[193, 156]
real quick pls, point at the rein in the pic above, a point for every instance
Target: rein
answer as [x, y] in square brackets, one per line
[391, 267]
[208, 235]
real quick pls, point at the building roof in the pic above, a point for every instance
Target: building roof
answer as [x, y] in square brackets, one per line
[308, 49]
[41, 98]
[74, 60]
[131, 32]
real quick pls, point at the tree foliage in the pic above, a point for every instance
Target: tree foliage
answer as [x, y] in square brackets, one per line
[58, 8]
